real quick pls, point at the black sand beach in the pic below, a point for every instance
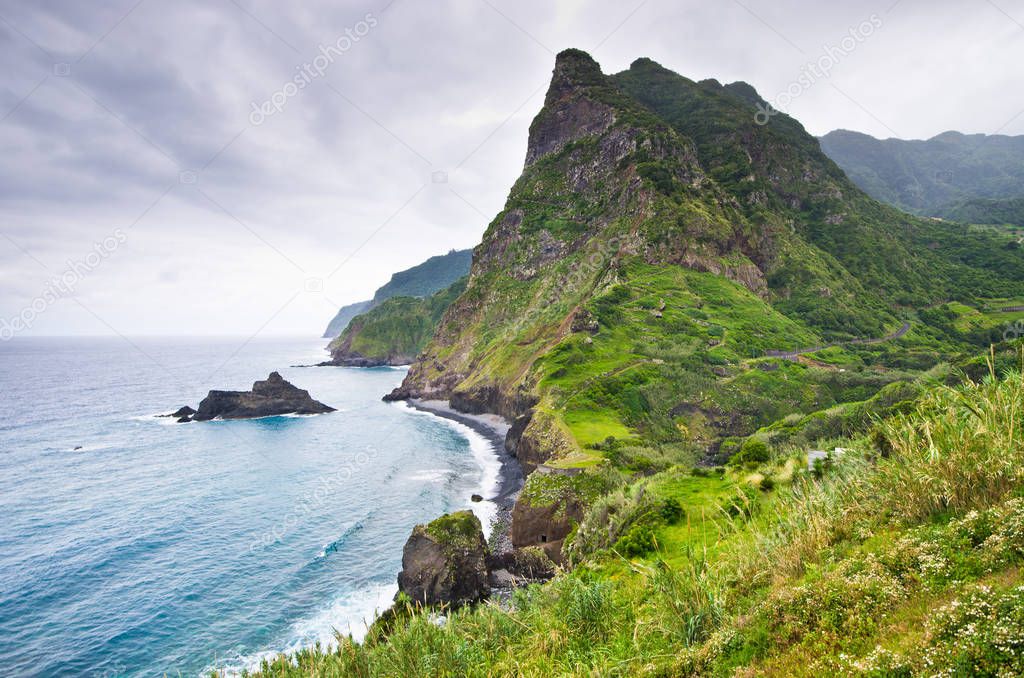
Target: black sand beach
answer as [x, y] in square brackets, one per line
[510, 479]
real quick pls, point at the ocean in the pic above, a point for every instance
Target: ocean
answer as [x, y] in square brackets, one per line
[131, 545]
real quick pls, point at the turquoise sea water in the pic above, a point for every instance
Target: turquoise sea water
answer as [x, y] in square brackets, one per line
[160, 547]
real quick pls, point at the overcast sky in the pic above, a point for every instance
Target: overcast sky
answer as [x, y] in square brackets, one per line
[141, 166]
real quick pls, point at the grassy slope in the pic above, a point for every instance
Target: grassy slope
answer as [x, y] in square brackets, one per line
[903, 565]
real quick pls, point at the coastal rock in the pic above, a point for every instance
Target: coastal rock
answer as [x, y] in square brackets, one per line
[476, 498]
[445, 562]
[356, 360]
[182, 414]
[273, 396]
[525, 565]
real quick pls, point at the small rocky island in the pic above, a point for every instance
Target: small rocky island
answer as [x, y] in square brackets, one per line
[273, 396]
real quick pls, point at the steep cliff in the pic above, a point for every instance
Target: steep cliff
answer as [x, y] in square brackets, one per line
[659, 242]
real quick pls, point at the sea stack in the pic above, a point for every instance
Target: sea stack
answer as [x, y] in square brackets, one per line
[445, 562]
[273, 396]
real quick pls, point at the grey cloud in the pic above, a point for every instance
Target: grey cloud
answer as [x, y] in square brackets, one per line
[443, 78]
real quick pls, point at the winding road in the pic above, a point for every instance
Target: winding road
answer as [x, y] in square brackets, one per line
[793, 355]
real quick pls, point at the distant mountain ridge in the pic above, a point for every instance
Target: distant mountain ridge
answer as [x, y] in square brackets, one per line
[969, 177]
[423, 280]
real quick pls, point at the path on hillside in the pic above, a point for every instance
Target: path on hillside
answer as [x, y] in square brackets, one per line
[793, 355]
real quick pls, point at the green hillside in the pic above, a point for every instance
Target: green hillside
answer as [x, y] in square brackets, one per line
[1007, 211]
[899, 557]
[394, 332]
[953, 175]
[433, 275]
[648, 190]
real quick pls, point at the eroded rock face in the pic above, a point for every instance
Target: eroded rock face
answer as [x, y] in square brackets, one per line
[546, 510]
[567, 115]
[445, 562]
[273, 396]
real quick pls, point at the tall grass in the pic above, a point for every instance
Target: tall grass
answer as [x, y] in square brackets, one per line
[961, 447]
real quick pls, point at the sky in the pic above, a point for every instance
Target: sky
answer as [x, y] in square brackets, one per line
[244, 167]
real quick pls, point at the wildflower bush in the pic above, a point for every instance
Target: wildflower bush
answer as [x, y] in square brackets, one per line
[978, 634]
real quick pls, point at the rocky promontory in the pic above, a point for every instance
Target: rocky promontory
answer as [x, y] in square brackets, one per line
[273, 396]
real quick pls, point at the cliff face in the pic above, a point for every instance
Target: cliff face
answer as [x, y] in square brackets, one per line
[657, 240]
[581, 203]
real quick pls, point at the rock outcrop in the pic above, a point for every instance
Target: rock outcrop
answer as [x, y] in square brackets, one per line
[445, 562]
[273, 396]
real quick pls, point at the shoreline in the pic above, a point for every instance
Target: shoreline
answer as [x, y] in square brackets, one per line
[510, 475]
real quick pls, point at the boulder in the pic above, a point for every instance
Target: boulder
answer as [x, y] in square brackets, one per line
[182, 414]
[445, 562]
[273, 396]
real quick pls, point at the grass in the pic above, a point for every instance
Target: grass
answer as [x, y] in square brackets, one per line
[888, 565]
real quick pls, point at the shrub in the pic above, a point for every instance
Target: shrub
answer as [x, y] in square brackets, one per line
[767, 484]
[638, 541]
[753, 451]
[979, 634]
[672, 511]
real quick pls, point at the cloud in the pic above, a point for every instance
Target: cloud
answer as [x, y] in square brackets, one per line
[148, 128]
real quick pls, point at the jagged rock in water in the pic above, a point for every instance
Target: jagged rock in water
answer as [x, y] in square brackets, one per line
[273, 396]
[445, 562]
[182, 414]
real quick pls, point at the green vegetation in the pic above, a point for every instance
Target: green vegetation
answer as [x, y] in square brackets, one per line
[907, 564]
[670, 281]
[683, 302]
[455, 530]
[423, 280]
[396, 331]
[972, 178]
[1003, 211]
